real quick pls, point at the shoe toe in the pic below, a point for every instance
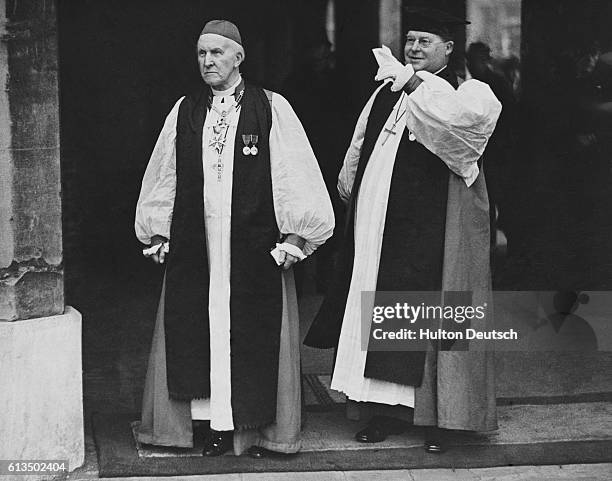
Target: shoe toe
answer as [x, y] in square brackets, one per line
[371, 434]
[215, 450]
[256, 452]
[434, 448]
[217, 444]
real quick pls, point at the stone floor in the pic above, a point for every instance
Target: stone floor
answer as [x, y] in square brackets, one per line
[519, 424]
[574, 472]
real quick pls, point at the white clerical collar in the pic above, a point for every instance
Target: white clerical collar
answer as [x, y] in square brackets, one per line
[230, 90]
[436, 73]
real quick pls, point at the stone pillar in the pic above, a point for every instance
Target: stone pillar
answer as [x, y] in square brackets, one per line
[41, 408]
[390, 28]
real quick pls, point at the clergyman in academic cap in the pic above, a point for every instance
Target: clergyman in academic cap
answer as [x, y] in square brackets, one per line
[231, 198]
[417, 220]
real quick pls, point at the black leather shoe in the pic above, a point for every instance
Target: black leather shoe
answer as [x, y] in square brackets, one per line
[434, 440]
[372, 434]
[257, 452]
[379, 428]
[218, 443]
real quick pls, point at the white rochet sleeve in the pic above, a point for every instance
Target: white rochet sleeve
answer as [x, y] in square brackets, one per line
[453, 124]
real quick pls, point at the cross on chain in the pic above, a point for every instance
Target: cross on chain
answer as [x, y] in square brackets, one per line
[218, 142]
[220, 129]
[391, 131]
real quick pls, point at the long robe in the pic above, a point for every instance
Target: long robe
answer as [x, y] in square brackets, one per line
[301, 206]
[457, 389]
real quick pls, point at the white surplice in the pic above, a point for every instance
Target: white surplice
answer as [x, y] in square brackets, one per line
[369, 225]
[453, 124]
[301, 206]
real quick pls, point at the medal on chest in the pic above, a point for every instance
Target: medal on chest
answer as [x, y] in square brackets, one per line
[250, 144]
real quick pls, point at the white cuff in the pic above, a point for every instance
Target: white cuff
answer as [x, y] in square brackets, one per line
[289, 249]
[150, 251]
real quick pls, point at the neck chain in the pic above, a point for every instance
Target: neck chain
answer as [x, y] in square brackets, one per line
[220, 129]
[398, 116]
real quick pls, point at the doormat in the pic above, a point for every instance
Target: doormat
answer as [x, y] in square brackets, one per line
[527, 435]
[318, 395]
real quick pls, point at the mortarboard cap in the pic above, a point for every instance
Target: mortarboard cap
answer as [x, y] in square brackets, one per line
[432, 20]
[224, 28]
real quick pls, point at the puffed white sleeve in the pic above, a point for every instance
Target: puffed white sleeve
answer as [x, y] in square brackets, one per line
[156, 201]
[453, 124]
[351, 159]
[301, 202]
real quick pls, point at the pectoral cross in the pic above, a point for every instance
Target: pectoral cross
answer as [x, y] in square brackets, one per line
[389, 132]
[218, 142]
[219, 134]
[398, 116]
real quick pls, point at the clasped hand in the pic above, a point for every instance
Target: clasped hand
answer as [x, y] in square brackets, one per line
[160, 247]
[285, 260]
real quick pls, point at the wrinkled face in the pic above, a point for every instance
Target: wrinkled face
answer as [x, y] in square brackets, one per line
[427, 51]
[219, 59]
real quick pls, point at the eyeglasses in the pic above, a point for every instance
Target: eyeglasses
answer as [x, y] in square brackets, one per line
[423, 42]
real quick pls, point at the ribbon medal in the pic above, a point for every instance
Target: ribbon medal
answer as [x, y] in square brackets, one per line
[250, 144]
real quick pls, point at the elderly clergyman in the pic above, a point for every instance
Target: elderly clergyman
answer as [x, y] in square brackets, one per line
[231, 198]
[417, 221]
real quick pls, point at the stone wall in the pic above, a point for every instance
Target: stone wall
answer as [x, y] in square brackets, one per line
[31, 274]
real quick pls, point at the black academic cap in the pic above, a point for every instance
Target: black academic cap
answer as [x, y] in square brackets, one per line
[439, 22]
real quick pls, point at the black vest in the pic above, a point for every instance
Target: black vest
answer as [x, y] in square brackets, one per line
[255, 279]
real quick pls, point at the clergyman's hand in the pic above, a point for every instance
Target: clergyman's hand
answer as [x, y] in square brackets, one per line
[396, 72]
[287, 260]
[160, 255]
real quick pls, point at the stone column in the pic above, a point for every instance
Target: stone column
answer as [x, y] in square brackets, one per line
[390, 28]
[41, 407]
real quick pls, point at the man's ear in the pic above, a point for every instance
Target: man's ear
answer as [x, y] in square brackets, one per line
[239, 57]
[450, 46]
